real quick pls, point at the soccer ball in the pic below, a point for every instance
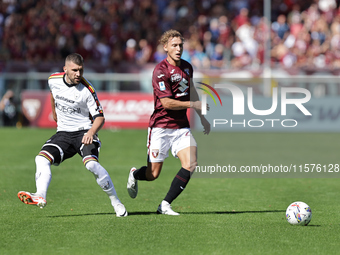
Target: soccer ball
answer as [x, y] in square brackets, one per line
[298, 213]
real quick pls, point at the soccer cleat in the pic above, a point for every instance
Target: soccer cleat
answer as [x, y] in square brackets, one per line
[32, 199]
[165, 208]
[120, 210]
[132, 184]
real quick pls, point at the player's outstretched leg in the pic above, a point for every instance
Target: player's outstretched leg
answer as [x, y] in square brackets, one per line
[42, 180]
[43, 173]
[177, 186]
[104, 181]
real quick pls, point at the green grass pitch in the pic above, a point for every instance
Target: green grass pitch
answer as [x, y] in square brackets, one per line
[218, 215]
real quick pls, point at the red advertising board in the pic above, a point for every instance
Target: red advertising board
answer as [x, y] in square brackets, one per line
[126, 110]
[121, 110]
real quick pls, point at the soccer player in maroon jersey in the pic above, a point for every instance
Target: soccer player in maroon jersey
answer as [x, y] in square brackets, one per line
[169, 126]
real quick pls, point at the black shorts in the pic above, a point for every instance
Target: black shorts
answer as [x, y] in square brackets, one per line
[64, 145]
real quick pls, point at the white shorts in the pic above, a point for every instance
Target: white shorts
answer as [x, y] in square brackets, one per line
[161, 140]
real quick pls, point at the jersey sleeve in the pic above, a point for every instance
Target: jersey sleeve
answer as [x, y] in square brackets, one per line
[95, 108]
[53, 77]
[50, 85]
[93, 104]
[160, 83]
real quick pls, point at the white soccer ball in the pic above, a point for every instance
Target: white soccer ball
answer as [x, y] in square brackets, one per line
[299, 213]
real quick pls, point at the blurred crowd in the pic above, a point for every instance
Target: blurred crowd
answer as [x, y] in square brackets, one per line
[219, 34]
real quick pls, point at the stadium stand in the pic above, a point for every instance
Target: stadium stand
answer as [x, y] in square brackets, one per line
[219, 34]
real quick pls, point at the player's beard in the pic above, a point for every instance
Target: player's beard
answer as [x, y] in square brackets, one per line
[74, 80]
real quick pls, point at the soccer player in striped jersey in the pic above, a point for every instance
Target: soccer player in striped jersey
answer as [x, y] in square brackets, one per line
[74, 101]
[169, 126]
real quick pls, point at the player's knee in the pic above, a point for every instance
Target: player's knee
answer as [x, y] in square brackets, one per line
[41, 160]
[90, 165]
[101, 175]
[90, 150]
[152, 176]
[96, 169]
[191, 166]
[53, 153]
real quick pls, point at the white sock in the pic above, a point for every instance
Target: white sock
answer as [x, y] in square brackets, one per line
[43, 175]
[104, 181]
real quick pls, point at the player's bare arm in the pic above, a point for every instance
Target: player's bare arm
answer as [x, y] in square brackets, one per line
[206, 125]
[194, 95]
[173, 104]
[96, 126]
[53, 109]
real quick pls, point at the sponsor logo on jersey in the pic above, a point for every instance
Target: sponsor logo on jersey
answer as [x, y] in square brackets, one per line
[160, 76]
[155, 153]
[161, 85]
[172, 71]
[64, 99]
[67, 109]
[175, 77]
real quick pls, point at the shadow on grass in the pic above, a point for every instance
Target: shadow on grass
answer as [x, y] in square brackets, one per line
[97, 214]
[235, 212]
[182, 213]
[80, 215]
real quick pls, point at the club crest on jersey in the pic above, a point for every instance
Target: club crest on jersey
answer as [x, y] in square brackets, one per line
[161, 85]
[155, 153]
[186, 70]
[175, 77]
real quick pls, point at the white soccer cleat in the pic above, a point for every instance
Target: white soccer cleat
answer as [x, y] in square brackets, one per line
[165, 208]
[120, 210]
[32, 199]
[132, 184]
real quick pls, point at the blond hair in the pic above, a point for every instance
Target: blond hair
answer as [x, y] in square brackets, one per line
[167, 35]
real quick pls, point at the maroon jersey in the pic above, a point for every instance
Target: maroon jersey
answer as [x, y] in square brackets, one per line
[173, 82]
